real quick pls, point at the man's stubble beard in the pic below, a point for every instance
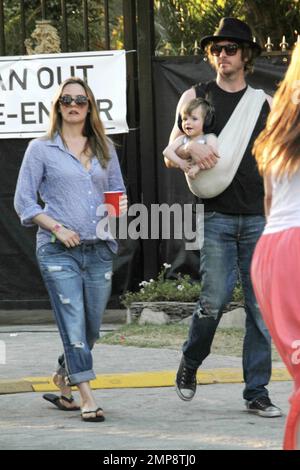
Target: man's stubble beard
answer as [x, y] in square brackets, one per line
[228, 74]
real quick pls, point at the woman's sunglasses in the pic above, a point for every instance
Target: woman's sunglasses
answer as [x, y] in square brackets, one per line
[230, 49]
[80, 100]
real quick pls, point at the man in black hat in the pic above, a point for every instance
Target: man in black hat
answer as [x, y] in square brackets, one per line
[233, 221]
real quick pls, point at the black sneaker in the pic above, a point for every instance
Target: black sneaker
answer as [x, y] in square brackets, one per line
[186, 383]
[263, 406]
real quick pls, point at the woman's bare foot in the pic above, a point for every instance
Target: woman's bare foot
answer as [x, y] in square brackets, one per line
[92, 415]
[90, 410]
[65, 391]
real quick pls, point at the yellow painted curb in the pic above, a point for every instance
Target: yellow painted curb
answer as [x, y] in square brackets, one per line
[135, 380]
[15, 386]
[155, 379]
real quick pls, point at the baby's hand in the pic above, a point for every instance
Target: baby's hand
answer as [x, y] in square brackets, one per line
[185, 165]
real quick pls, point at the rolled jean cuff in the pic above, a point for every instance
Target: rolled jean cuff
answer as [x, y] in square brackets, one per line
[86, 376]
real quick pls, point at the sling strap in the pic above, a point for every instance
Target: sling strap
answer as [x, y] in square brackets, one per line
[232, 144]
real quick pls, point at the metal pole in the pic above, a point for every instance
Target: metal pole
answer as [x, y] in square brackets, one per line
[106, 23]
[64, 28]
[2, 34]
[43, 7]
[132, 148]
[85, 25]
[145, 29]
[23, 26]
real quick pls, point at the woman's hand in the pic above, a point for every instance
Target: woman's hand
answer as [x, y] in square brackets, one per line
[69, 238]
[123, 206]
[64, 235]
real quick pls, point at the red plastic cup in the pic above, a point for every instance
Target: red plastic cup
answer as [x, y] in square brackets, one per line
[112, 200]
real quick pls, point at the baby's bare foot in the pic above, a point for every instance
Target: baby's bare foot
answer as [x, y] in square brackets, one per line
[193, 172]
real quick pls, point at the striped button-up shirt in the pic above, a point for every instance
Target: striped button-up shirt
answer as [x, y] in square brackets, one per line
[71, 194]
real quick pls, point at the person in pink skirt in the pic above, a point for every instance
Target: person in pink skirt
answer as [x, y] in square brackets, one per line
[275, 269]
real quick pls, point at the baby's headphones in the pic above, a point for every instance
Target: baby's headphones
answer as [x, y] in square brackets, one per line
[209, 120]
[210, 117]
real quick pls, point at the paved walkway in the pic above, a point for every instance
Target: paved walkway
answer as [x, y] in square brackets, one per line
[135, 388]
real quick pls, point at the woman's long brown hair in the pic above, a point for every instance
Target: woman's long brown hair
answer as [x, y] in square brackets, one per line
[277, 148]
[97, 142]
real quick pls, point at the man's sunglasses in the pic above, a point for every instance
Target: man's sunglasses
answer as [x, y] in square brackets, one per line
[230, 49]
[80, 100]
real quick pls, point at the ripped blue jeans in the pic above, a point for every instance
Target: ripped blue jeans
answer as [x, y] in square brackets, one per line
[229, 242]
[78, 281]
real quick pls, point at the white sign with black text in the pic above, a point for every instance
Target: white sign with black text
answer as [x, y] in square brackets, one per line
[28, 84]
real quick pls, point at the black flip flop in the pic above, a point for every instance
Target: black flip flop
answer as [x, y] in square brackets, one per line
[55, 400]
[92, 419]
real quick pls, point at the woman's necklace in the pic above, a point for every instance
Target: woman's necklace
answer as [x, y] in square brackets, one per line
[84, 159]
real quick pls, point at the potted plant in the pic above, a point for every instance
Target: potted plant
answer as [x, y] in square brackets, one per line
[175, 297]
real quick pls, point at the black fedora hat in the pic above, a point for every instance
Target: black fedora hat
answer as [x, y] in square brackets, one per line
[233, 29]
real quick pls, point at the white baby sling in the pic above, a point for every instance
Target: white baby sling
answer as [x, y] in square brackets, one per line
[232, 144]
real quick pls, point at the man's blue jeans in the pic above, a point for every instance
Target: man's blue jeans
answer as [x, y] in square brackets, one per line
[78, 281]
[229, 242]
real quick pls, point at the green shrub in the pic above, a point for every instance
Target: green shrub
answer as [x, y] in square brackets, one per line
[182, 289]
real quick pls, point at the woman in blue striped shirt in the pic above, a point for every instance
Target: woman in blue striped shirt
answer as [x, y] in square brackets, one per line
[70, 169]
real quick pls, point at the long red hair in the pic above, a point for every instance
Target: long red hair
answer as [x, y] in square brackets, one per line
[277, 148]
